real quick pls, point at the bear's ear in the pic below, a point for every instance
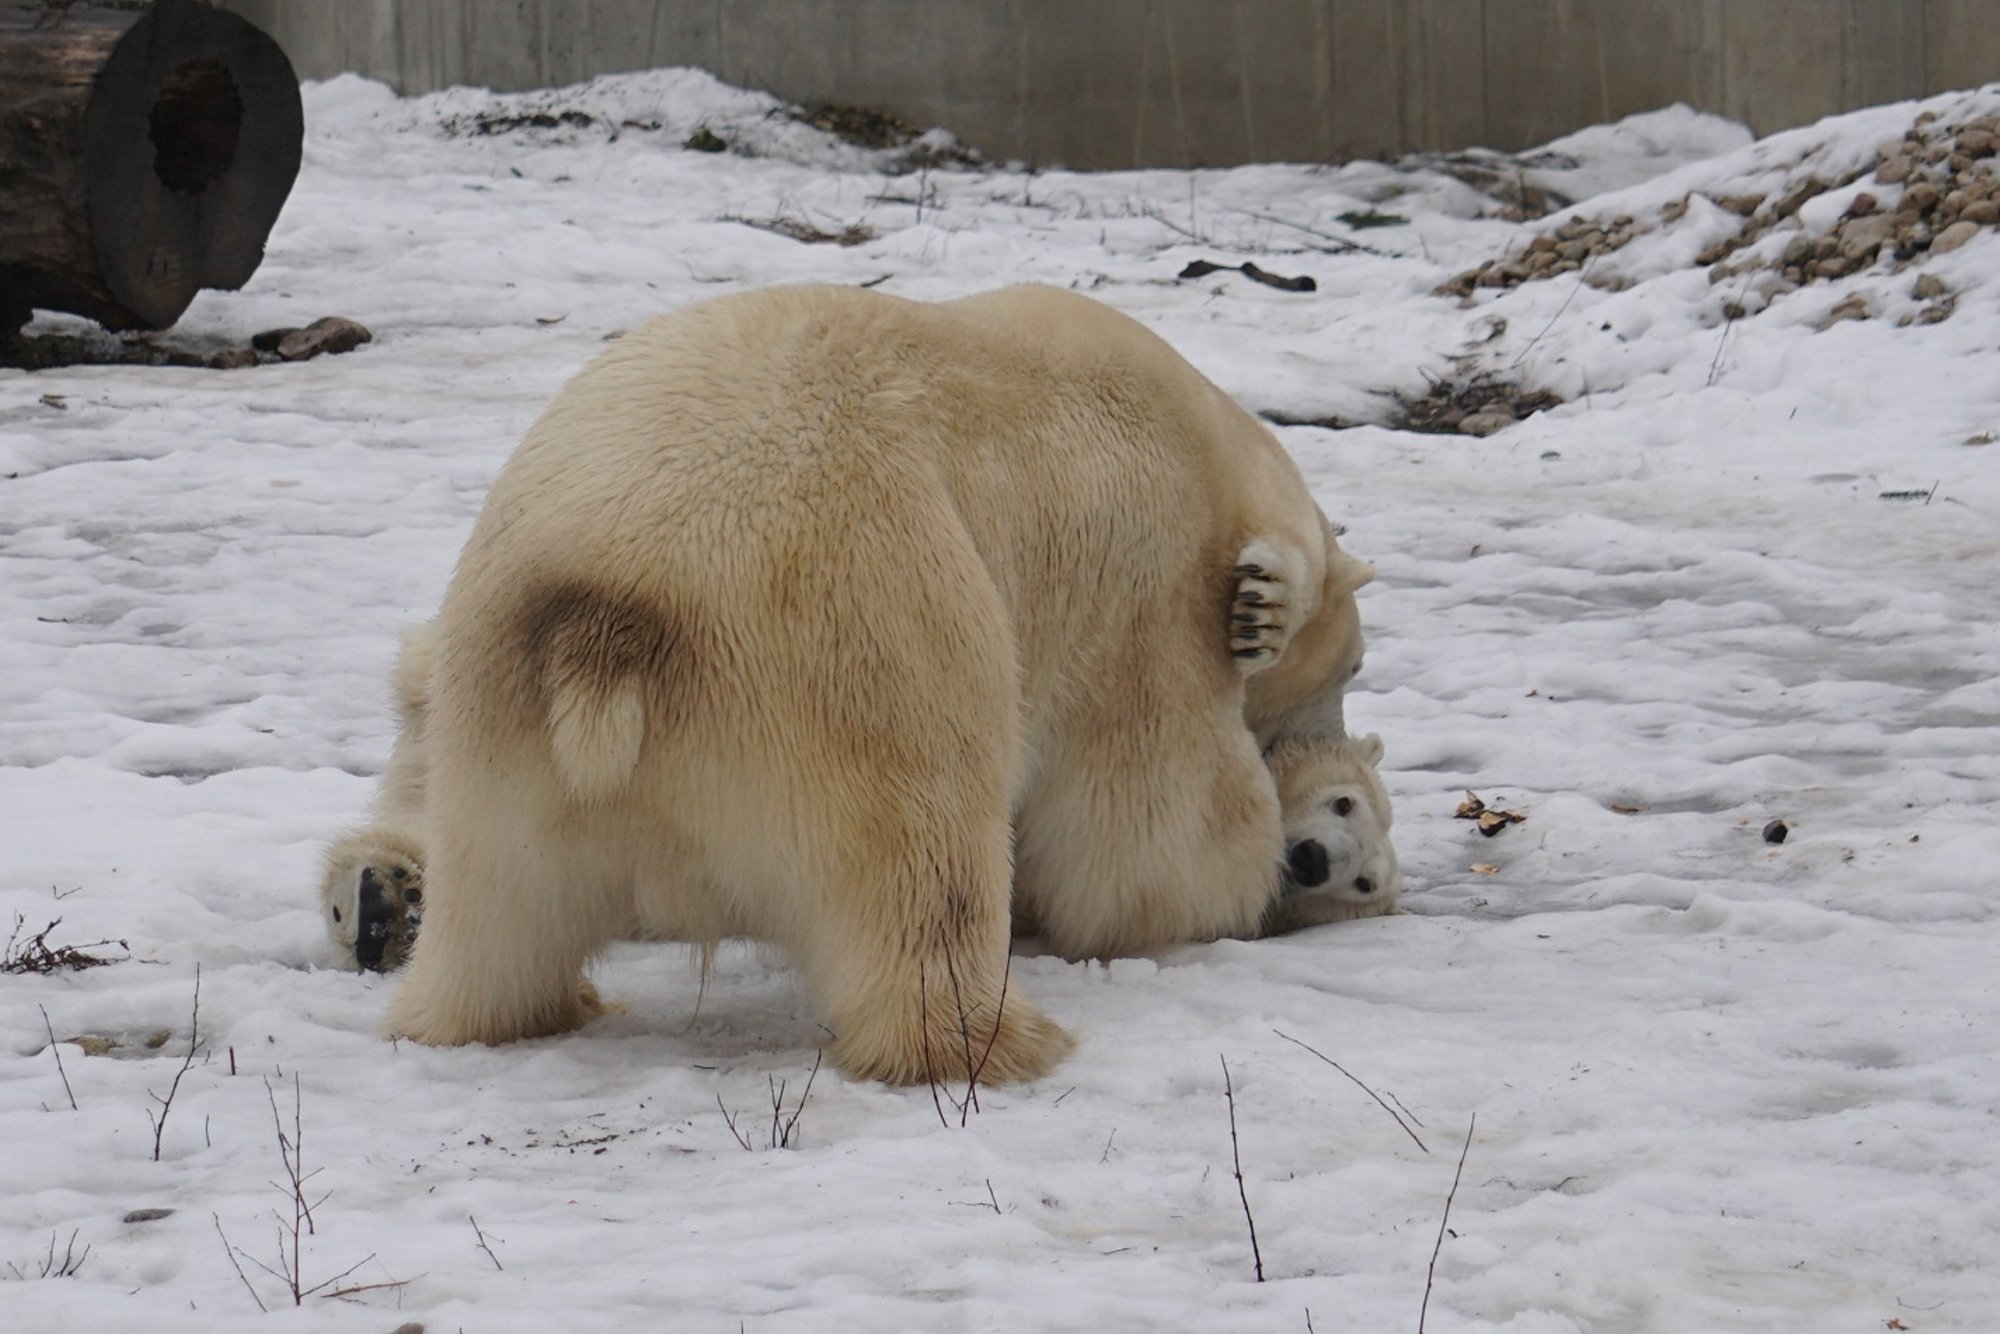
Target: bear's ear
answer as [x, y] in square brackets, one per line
[1344, 573]
[1370, 747]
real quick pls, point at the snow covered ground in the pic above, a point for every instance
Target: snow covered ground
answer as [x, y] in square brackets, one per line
[1720, 1083]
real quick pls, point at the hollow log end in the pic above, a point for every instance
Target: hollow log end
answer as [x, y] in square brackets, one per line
[192, 138]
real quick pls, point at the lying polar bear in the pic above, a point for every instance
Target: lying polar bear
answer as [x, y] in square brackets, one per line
[1339, 862]
[832, 619]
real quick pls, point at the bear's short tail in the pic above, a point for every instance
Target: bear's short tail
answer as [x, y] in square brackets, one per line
[600, 659]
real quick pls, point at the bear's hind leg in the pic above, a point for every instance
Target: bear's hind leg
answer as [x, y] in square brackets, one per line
[507, 930]
[918, 990]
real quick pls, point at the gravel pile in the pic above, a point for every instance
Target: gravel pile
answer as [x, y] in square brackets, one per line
[1930, 193]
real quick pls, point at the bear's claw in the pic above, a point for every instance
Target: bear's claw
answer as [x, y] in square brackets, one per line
[1258, 624]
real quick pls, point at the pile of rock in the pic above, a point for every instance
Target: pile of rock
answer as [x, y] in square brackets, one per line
[1938, 189]
[1567, 249]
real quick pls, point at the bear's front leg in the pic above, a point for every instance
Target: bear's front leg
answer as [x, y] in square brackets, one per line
[372, 892]
[1261, 612]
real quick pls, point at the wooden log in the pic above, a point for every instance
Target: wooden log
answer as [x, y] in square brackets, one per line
[144, 154]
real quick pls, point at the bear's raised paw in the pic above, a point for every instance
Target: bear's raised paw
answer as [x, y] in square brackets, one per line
[1260, 613]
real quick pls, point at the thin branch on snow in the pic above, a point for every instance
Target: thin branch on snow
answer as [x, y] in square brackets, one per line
[1236, 1153]
[482, 1241]
[1363, 1087]
[1430, 1274]
[56, 1047]
[159, 1123]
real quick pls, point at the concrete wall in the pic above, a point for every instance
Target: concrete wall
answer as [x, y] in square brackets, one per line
[1119, 83]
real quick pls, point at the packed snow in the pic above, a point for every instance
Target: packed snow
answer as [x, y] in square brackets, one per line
[1748, 572]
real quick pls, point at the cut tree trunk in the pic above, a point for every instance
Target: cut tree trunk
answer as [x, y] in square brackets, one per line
[144, 155]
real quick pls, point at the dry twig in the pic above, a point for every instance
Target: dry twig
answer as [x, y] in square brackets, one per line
[230, 1251]
[1358, 1084]
[1430, 1274]
[1236, 1153]
[56, 1047]
[159, 1123]
[482, 1242]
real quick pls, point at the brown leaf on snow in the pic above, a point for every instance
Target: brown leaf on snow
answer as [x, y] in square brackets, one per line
[1491, 818]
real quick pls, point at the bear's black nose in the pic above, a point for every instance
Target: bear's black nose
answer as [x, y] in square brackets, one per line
[1363, 885]
[1306, 860]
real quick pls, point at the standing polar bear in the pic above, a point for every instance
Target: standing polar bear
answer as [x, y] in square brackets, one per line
[828, 618]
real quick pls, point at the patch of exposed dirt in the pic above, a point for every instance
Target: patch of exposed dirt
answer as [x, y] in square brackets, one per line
[1476, 405]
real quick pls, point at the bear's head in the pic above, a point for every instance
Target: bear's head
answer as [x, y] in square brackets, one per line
[1339, 863]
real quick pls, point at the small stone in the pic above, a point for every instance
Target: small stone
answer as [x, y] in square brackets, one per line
[1928, 287]
[1512, 273]
[1675, 211]
[1823, 247]
[1896, 170]
[268, 340]
[1805, 190]
[1955, 202]
[1862, 205]
[332, 334]
[1798, 250]
[233, 359]
[1833, 266]
[1486, 422]
[1574, 251]
[705, 140]
[1861, 237]
[1982, 212]
[409, 1327]
[1924, 195]
[1954, 236]
[1776, 831]
[93, 1044]
[1542, 245]
[1542, 263]
[1977, 143]
[1563, 266]
[147, 1215]
[1938, 313]
[1854, 307]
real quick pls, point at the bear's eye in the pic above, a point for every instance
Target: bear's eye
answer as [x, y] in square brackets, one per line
[401, 873]
[336, 914]
[1343, 805]
[1356, 672]
[413, 895]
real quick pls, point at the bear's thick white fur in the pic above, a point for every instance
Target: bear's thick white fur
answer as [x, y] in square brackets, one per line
[824, 617]
[1333, 801]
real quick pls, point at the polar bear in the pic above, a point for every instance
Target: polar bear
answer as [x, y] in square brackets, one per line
[1339, 861]
[824, 617]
